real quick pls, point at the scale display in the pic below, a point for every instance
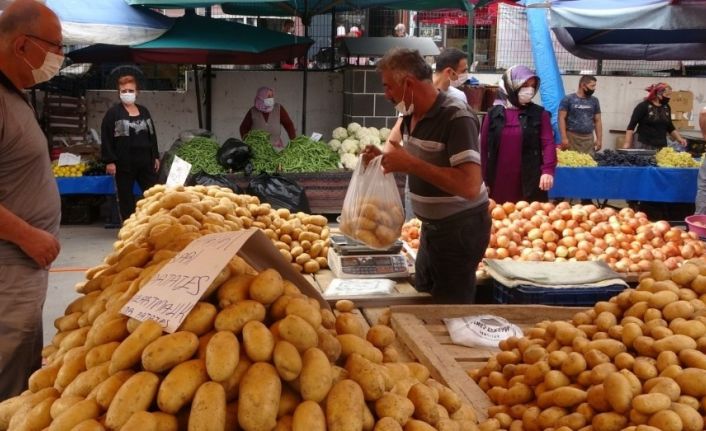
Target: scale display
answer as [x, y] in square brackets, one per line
[367, 266]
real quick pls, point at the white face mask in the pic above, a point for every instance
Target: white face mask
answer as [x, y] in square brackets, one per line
[525, 95]
[128, 98]
[50, 67]
[402, 108]
[269, 102]
[462, 78]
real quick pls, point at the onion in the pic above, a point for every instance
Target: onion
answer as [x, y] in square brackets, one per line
[563, 205]
[584, 245]
[634, 267]
[498, 213]
[502, 253]
[598, 232]
[536, 205]
[687, 251]
[534, 234]
[519, 206]
[644, 265]
[573, 224]
[491, 253]
[661, 227]
[547, 206]
[548, 256]
[581, 255]
[539, 243]
[508, 207]
[534, 256]
[527, 213]
[503, 241]
[550, 236]
[566, 214]
[559, 225]
[568, 241]
[562, 251]
[551, 246]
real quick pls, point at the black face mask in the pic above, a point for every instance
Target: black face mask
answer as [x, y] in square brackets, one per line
[588, 92]
[665, 100]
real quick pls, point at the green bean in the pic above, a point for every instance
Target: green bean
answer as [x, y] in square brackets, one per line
[301, 155]
[201, 153]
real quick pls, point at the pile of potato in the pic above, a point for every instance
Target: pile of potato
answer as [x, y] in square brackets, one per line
[254, 354]
[636, 362]
[185, 213]
[373, 222]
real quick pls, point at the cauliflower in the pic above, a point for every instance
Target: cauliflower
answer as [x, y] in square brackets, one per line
[364, 141]
[384, 134]
[374, 131]
[334, 144]
[374, 140]
[340, 133]
[352, 128]
[350, 146]
[362, 132]
[349, 161]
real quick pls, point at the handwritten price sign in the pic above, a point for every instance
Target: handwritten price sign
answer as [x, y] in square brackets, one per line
[174, 290]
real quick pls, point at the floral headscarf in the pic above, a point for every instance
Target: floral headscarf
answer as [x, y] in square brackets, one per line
[510, 83]
[656, 89]
[260, 97]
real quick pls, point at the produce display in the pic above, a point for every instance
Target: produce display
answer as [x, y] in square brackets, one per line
[572, 158]
[201, 153]
[633, 363]
[668, 158]
[614, 158]
[302, 154]
[254, 354]
[349, 141]
[411, 231]
[68, 170]
[626, 240]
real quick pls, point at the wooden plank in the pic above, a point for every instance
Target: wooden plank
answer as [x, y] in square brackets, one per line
[517, 314]
[442, 367]
[387, 300]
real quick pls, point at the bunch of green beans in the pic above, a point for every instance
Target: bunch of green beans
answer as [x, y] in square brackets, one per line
[301, 155]
[201, 153]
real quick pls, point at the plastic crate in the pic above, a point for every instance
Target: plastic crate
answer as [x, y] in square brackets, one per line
[79, 209]
[567, 296]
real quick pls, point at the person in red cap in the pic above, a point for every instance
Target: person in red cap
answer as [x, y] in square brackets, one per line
[653, 119]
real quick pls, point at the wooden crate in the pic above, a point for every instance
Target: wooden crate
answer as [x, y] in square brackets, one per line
[422, 331]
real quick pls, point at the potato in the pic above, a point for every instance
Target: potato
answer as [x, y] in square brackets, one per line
[574, 364]
[353, 344]
[649, 404]
[260, 391]
[142, 420]
[674, 343]
[666, 420]
[85, 382]
[329, 344]
[169, 350]
[349, 323]
[100, 354]
[208, 409]
[387, 424]
[180, 385]
[380, 336]
[368, 376]
[129, 352]
[267, 286]
[309, 417]
[518, 393]
[346, 305]
[235, 289]
[74, 415]
[288, 401]
[298, 332]
[89, 425]
[106, 391]
[424, 403]
[306, 310]
[222, 355]
[344, 407]
[43, 377]
[315, 379]
[608, 422]
[74, 364]
[608, 346]
[287, 360]
[258, 341]
[415, 425]
[200, 319]
[692, 381]
[693, 358]
[39, 416]
[136, 394]
[568, 397]
[690, 417]
[234, 317]
[395, 407]
[232, 384]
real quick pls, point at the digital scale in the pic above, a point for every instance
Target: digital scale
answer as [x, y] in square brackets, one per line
[351, 259]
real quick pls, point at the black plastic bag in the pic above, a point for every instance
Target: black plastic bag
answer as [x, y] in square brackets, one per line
[280, 192]
[205, 179]
[234, 154]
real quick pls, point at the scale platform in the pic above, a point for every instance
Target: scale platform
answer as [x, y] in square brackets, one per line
[351, 259]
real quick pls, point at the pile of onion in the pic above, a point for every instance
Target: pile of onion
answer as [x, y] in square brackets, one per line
[626, 240]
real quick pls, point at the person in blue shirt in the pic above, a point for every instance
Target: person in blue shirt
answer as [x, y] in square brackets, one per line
[580, 119]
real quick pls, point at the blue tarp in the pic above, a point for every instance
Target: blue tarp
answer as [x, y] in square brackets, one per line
[107, 21]
[631, 29]
[626, 183]
[89, 185]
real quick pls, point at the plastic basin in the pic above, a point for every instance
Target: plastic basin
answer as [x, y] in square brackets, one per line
[697, 224]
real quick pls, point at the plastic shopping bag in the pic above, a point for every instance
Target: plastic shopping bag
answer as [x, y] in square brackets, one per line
[372, 209]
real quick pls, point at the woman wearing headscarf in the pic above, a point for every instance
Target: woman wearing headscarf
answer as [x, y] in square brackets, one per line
[518, 155]
[653, 119]
[269, 116]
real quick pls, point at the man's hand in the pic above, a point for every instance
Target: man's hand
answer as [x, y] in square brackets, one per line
[395, 158]
[156, 165]
[598, 145]
[41, 246]
[546, 182]
[564, 143]
[369, 153]
[682, 142]
[110, 169]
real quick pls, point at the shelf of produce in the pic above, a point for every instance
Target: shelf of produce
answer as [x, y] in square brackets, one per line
[422, 332]
[325, 190]
[626, 183]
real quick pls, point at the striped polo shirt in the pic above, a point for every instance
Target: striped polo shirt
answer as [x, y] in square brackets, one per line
[446, 136]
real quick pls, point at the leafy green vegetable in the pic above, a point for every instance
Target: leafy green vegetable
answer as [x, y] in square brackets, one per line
[301, 155]
[201, 153]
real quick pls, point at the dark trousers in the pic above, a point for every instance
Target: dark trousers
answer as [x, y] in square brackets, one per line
[125, 179]
[449, 253]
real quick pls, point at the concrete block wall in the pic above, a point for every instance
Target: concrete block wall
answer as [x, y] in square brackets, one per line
[364, 100]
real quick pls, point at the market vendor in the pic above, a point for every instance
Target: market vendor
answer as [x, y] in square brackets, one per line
[129, 145]
[270, 116]
[653, 119]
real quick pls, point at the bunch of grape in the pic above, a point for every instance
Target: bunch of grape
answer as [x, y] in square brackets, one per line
[668, 158]
[575, 159]
[613, 158]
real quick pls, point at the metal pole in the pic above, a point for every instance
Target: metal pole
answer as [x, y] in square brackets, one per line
[209, 98]
[333, 39]
[198, 95]
[306, 21]
[470, 44]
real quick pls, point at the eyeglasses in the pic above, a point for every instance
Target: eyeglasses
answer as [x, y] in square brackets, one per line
[53, 44]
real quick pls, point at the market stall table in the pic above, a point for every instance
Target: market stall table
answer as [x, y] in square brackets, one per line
[89, 185]
[626, 183]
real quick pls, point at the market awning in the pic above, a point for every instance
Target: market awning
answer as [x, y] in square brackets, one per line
[107, 21]
[631, 29]
[196, 39]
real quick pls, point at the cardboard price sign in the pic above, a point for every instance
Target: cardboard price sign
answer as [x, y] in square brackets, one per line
[174, 290]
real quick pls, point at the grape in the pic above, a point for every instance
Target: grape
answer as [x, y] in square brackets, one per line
[614, 158]
[668, 158]
[575, 159]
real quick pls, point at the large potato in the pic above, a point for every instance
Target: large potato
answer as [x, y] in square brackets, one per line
[222, 355]
[208, 410]
[368, 376]
[106, 391]
[424, 404]
[394, 406]
[135, 395]
[258, 341]
[235, 289]
[129, 352]
[309, 417]
[287, 360]
[85, 382]
[267, 286]
[74, 415]
[353, 344]
[169, 350]
[315, 379]
[200, 319]
[180, 385]
[260, 391]
[234, 317]
[344, 407]
[298, 332]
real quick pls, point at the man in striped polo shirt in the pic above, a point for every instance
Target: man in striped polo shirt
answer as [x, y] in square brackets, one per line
[440, 154]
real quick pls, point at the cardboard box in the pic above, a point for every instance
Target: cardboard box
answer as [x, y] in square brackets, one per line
[682, 101]
[682, 124]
